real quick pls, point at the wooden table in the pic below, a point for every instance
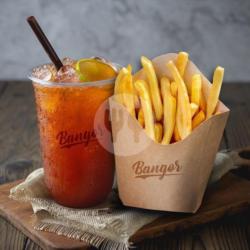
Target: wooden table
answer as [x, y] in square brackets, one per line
[19, 154]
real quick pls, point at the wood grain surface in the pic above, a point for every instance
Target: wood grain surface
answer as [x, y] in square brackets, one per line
[19, 143]
[229, 196]
[19, 154]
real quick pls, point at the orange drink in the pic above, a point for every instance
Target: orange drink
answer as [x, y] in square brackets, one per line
[78, 170]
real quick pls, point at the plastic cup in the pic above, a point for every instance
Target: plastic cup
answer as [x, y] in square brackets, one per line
[78, 170]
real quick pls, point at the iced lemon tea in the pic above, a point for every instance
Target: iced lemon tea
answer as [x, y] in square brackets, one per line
[78, 170]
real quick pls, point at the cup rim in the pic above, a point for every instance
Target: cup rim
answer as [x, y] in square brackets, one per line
[71, 84]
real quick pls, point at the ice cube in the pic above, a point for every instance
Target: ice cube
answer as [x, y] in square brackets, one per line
[67, 73]
[68, 61]
[44, 72]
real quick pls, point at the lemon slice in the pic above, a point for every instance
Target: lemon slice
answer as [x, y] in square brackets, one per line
[91, 69]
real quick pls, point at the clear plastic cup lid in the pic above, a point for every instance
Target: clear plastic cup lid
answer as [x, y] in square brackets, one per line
[37, 80]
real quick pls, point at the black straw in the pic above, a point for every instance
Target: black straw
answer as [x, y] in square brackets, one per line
[44, 42]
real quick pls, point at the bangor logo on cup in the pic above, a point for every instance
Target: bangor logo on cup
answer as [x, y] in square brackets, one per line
[118, 137]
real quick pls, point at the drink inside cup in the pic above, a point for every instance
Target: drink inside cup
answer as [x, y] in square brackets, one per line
[78, 170]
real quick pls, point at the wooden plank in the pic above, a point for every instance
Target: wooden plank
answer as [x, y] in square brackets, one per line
[3, 86]
[22, 217]
[223, 234]
[230, 196]
[217, 202]
[31, 245]
[223, 144]
[237, 132]
[10, 237]
[19, 142]
[237, 98]
[220, 235]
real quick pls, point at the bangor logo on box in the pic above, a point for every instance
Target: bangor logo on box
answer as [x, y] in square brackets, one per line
[144, 171]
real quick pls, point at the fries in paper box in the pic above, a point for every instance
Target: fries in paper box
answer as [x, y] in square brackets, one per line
[167, 123]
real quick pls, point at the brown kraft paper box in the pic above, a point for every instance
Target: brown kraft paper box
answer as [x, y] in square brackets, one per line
[165, 177]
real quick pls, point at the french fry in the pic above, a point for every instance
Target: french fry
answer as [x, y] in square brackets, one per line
[194, 108]
[179, 118]
[128, 93]
[174, 88]
[129, 68]
[181, 62]
[118, 90]
[153, 86]
[198, 119]
[183, 118]
[136, 101]
[158, 132]
[196, 89]
[203, 104]
[136, 98]
[146, 104]
[141, 117]
[176, 134]
[214, 92]
[169, 110]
